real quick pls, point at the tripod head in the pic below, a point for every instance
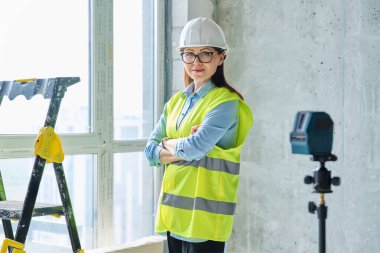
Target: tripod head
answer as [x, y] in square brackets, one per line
[321, 179]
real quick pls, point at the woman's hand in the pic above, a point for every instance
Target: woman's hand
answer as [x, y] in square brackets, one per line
[166, 157]
[194, 129]
[167, 154]
[169, 145]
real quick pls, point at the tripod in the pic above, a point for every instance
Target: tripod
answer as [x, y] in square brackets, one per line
[322, 184]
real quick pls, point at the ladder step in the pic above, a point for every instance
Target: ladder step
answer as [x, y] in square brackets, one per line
[12, 209]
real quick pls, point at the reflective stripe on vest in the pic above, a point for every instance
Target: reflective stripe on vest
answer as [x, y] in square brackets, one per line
[215, 164]
[211, 206]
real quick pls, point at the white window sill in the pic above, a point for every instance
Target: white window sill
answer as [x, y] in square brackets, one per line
[151, 244]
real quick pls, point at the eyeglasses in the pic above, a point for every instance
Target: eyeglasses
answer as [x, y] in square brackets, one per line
[204, 57]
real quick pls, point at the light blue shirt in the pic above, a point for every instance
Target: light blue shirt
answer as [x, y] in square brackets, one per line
[219, 127]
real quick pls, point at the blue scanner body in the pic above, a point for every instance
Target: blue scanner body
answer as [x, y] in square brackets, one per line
[312, 133]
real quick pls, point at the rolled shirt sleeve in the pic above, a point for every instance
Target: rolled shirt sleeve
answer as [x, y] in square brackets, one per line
[152, 149]
[219, 127]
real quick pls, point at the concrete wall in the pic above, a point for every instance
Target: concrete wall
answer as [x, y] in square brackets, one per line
[287, 56]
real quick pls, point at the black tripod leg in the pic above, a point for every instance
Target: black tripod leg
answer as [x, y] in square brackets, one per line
[30, 200]
[66, 202]
[322, 215]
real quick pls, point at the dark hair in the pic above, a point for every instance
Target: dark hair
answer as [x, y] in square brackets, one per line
[218, 78]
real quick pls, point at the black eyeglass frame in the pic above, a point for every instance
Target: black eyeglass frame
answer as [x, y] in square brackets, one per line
[197, 56]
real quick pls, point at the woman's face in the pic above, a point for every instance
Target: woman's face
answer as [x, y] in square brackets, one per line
[203, 66]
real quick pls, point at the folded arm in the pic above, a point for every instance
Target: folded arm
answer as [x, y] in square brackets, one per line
[217, 128]
[201, 140]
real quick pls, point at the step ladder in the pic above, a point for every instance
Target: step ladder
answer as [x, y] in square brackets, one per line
[53, 89]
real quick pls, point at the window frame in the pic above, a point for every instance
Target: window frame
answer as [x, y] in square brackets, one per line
[101, 142]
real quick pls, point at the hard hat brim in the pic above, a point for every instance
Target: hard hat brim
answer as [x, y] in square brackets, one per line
[197, 45]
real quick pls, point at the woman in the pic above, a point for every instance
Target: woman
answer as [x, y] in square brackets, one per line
[198, 139]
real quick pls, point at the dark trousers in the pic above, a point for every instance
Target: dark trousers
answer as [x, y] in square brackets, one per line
[179, 246]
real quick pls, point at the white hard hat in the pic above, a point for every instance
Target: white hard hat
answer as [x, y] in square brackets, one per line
[201, 32]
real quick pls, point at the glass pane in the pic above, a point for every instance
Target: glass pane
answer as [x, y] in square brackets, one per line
[133, 197]
[49, 234]
[133, 69]
[45, 39]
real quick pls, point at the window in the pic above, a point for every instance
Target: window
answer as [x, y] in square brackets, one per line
[104, 121]
[133, 39]
[133, 197]
[133, 76]
[42, 39]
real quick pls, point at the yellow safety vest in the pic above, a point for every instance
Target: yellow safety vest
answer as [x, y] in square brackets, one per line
[198, 198]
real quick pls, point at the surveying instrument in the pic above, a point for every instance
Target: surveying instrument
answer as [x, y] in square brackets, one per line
[313, 135]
